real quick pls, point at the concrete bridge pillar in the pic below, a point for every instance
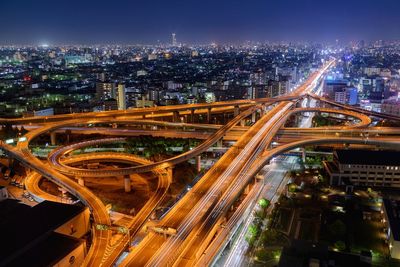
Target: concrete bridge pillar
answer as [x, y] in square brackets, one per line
[127, 183]
[224, 117]
[10, 162]
[303, 154]
[219, 143]
[236, 111]
[170, 172]
[264, 109]
[208, 115]
[308, 102]
[198, 163]
[297, 119]
[53, 138]
[192, 115]
[81, 181]
[175, 117]
[253, 117]
[144, 117]
[68, 135]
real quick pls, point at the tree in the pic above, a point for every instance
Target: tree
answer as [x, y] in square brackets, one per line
[263, 203]
[337, 228]
[253, 230]
[340, 245]
[292, 187]
[261, 214]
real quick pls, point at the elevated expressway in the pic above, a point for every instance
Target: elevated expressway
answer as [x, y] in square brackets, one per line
[184, 130]
[222, 232]
[355, 109]
[202, 252]
[100, 215]
[173, 112]
[58, 153]
[313, 136]
[212, 197]
[199, 213]
[195, 204]
[133, 226]
[101, 252]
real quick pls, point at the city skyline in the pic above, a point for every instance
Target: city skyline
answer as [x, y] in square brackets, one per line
[200, 133]
[124, 22]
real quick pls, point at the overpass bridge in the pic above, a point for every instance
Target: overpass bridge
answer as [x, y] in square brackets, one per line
[198, 214]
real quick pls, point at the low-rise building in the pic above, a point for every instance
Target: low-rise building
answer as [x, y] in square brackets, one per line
[365, 168]
[391, 107]
[346, 96]
[50, 229]
[391, 213]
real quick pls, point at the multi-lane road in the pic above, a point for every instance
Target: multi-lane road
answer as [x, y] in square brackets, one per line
[198, 215]
[212, 198]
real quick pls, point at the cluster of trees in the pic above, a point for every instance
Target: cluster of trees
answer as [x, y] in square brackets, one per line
[156, 146]
[314, 160]
[7, 131]
[321, 121]
[337, 230]
[255, 228]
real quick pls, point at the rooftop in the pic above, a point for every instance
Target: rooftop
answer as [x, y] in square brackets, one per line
[392, 208]
[52, 248]
[24, 227]
[368, 157]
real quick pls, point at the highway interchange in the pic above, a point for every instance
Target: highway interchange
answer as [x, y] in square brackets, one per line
[198, 216]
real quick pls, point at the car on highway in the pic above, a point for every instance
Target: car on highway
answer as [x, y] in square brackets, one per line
[19, 181]
[93, 166]
[7, 174]
[25, 194]
[164, 230]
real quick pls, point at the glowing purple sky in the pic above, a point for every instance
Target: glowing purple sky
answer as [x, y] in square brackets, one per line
[128, 21]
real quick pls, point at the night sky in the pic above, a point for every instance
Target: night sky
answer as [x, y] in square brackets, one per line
[233, 21]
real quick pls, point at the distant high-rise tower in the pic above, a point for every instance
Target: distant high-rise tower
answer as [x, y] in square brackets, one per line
[174, 43]
[121, 97]
[105, 90]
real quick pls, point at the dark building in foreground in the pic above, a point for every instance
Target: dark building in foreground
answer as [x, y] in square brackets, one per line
[365, 168]
[391, 212]
[48, 234]
[306, 254]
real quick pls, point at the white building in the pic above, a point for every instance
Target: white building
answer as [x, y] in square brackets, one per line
[365, 168]
[121, 97]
